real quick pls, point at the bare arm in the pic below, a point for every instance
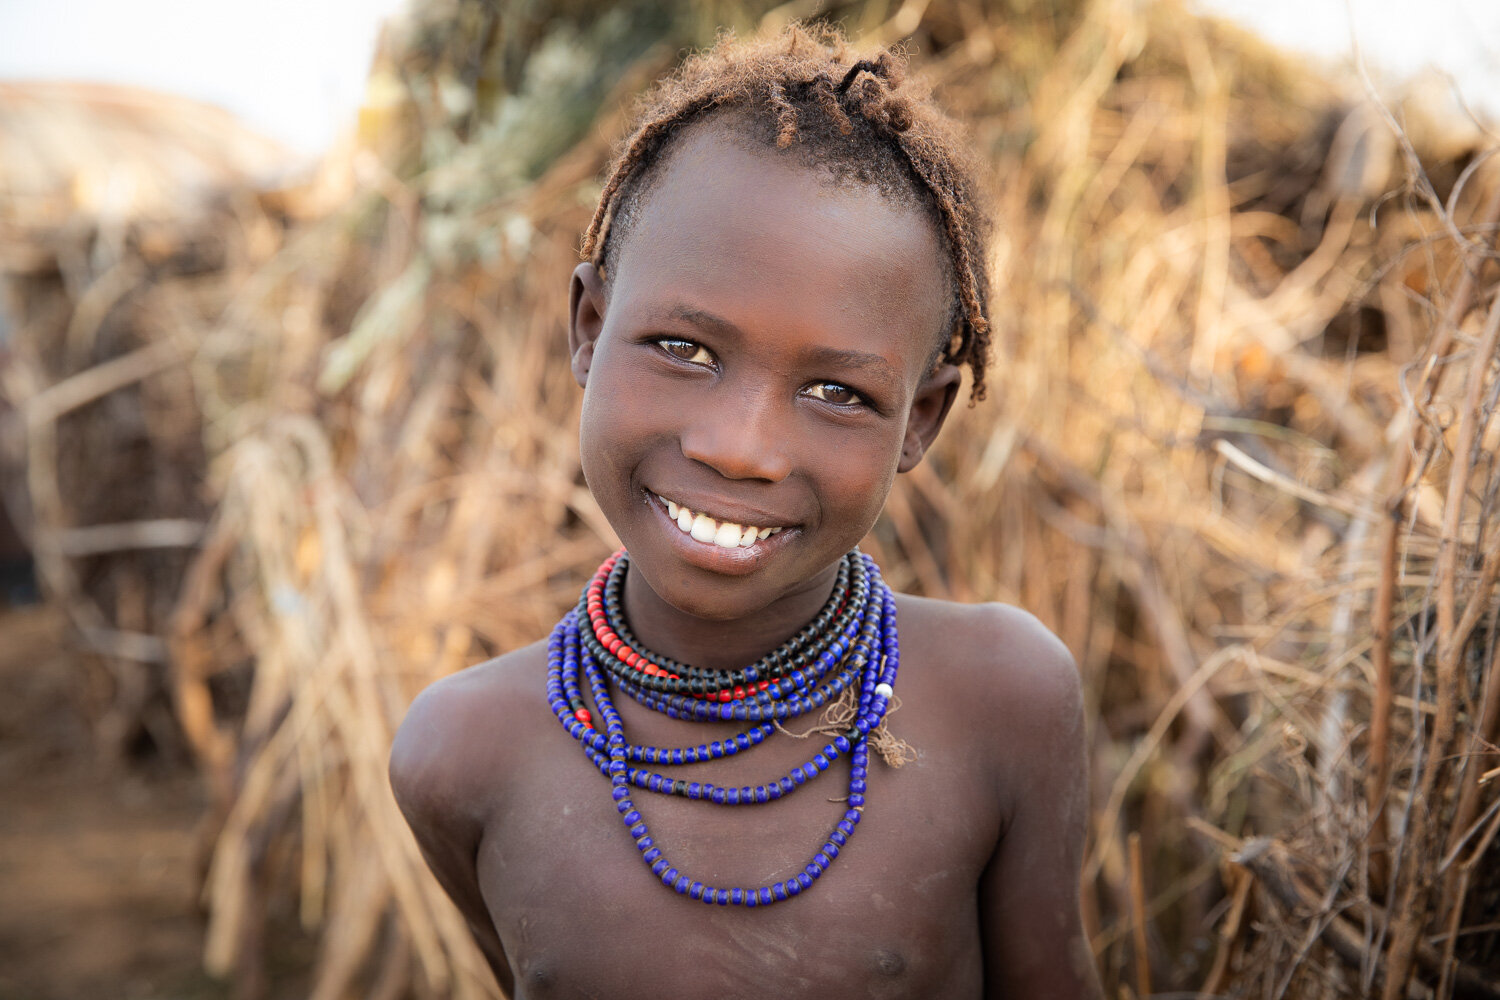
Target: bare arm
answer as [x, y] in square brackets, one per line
[1034, 945]
[428, 779]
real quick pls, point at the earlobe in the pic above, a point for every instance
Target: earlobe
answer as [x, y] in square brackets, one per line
[929, 408]
[585, 318]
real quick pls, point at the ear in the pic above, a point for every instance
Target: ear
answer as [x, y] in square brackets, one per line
[929, 408]
[585, 318]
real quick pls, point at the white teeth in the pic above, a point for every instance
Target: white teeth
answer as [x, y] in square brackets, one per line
[703, 528]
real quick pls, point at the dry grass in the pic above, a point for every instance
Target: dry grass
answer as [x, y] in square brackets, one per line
[1240, 456]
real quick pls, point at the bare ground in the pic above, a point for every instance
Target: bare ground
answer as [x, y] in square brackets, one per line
[98, 861]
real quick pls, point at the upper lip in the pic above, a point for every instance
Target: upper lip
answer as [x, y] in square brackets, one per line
[725, 510]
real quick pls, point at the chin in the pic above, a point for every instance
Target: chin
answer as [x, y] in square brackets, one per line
[701, 593]
[773, 590]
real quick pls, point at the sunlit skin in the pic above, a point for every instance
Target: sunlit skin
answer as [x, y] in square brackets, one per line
[762, 354]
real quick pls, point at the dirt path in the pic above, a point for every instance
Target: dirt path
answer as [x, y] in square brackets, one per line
[96, 866]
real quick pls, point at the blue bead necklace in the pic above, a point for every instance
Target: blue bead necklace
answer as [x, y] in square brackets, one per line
[861, 656]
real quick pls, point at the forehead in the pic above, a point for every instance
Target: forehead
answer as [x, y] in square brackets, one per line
[735, 227]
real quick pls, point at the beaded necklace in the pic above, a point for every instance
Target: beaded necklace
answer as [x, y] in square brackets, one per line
[850, 645]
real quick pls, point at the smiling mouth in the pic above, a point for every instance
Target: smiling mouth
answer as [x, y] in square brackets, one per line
[703, 528]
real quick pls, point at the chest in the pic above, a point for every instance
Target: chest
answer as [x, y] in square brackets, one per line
[893, 915]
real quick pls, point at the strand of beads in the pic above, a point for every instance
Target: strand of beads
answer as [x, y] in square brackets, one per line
[595, 746]
[864, 651]
[610, 641]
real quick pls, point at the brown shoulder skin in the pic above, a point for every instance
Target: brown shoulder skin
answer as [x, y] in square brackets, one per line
[960, 882]
[1027, 713]
[449, 759]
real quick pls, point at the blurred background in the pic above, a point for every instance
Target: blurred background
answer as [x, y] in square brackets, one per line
[287, 432]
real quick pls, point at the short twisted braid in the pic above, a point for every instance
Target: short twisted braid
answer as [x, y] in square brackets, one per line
[859, 116]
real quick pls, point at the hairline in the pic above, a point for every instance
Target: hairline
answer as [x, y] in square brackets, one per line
[913, 194]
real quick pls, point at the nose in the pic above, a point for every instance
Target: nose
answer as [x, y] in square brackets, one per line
[742, 438]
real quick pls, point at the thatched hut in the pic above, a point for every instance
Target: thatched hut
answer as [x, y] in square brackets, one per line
[1241, 459]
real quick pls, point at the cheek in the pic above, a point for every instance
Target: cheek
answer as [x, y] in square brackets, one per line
[601, 435]
[857, 471]
[618, 424]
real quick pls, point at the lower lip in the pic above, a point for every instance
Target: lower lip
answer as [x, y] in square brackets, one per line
[715, 558]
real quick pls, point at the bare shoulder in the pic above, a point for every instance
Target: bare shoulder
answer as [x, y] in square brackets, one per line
[1009, 687]
[460, 733]
[450, 767]
[998, 669]
[992, 652]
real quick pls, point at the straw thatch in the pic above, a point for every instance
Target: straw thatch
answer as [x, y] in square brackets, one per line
[1240, 456]
[121, 214]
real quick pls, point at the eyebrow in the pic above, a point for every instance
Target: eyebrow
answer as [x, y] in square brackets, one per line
[833, 356]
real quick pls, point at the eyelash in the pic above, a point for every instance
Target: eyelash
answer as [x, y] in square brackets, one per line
[667, 345]
[857, 399]
[697, 348]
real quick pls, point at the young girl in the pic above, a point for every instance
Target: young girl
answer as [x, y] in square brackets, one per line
[691, 789]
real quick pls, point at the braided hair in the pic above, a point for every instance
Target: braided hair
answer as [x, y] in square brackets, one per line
[860, 117]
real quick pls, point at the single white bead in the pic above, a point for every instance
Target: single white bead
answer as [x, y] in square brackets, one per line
[884, 690]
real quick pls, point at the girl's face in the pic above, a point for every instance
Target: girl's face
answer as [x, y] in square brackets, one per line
[759, 364]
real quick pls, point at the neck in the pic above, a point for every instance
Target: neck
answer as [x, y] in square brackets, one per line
[721, 644]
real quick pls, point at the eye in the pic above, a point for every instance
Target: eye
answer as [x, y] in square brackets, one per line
[687, 350]
[835, 393]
